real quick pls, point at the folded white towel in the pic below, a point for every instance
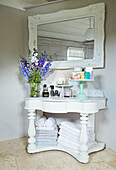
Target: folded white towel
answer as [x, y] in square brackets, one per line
[50, 122]
[45, 128]
[65, 133]
[46, 140]
[46, 135]
[40, 122]
[48, 143]
[74, 127]
[70, 138]
[68, 131]
[46, 131]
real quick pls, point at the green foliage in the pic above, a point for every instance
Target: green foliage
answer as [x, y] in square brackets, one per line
[35, 78]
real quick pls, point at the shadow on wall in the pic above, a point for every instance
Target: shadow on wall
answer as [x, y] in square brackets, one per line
[24, 120]
[98, 82]
[102, 134]
[91, 89]
[25, 91]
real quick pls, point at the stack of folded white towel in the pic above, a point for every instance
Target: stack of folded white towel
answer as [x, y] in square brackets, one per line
[69, 136]
[46, 131]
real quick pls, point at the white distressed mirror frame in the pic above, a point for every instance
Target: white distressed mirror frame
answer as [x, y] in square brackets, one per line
[95, 10]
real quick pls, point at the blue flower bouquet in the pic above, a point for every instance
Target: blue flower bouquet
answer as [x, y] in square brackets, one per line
[36, 67]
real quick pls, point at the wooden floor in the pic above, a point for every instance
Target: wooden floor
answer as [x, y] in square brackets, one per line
[13, 156]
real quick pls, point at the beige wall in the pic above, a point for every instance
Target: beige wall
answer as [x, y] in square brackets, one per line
[13, 42]
[105, 78]
[12, 92]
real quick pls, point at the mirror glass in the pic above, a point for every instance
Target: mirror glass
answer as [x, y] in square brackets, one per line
[69, 40]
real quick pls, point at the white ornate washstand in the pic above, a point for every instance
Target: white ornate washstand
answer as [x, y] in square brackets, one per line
[85, 107]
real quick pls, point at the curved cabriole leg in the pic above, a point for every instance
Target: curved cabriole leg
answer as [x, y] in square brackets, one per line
[83, 156]
[31, 130]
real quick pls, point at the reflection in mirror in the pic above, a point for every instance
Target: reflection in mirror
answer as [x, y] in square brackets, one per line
[69, 40]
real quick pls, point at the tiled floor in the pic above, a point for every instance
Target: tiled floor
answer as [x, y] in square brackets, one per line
[13, 156]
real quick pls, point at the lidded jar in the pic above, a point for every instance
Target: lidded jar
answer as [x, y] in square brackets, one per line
[45, 91]
[67, 92]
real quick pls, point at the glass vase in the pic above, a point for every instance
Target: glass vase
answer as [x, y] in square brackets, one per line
[34, 88]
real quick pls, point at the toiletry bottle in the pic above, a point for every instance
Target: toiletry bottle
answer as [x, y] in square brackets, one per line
[45, 91]
[52, 90]
[74, 93]
[91, 73]
[87, 73]
[56, 94]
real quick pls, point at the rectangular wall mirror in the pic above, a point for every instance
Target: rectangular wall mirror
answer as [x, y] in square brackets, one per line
[75, 36]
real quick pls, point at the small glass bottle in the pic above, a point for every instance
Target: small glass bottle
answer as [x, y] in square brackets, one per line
[45, 92]
[91, 73]
[52, 90]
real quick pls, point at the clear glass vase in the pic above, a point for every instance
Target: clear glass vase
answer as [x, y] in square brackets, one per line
[34, 88]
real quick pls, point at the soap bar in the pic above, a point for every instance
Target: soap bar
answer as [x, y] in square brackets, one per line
[86, 75]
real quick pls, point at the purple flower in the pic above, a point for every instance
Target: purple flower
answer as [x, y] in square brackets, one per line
[34, 67]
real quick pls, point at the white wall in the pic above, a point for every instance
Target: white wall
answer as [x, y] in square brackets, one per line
[13, 122]
[12, 92]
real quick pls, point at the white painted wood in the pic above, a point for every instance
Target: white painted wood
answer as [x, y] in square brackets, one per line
[93, 147]
[90, 105]
[56, 107]
[65, 105]
[96, 10]
[83, 139]
[91, 123]
[31, 129]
